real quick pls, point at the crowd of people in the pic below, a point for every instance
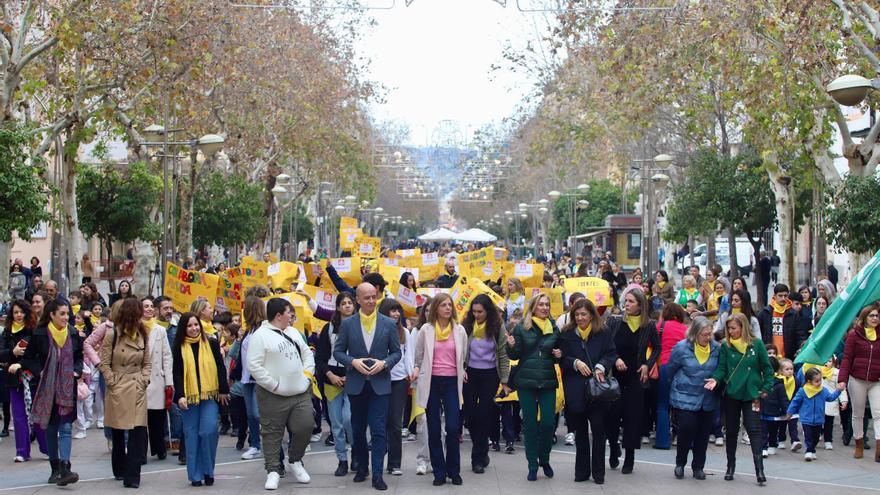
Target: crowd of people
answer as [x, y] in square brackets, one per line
[679, 365]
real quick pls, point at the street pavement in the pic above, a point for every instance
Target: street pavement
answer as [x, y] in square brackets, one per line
[835, 472]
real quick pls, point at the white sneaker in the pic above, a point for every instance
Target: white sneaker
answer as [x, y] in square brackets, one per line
[808, 457]
[771, 451]
[309, 448]
[252, 453]
[569, 439]
[19, 458]
[272, 480]
[100, 425]
[813, 455]
[764, 454]
[315, 437]
[829, 446]
[795, 446]
[404, 433]
[79, 435]
[299, 472]
[421, 467]
[411, 437]
[746, 440]
[782, 446]
[397, 472]
[719, 441]
[645, 440]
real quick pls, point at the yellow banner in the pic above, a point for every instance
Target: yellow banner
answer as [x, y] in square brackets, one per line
[556, 295]
[348, 236]
[303, 316]
[466, 289]
[477, 264]
[254, 272]
[349, 269]
[184, 287]
[594, 288]
[393, 273]
[368, 247]
[348, 223]
[430, 267]
[403, 253]
[230, 291]
[282, 275]
[501, 254]
[530, 274]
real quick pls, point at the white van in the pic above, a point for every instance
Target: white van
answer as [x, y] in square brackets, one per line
[745, 256]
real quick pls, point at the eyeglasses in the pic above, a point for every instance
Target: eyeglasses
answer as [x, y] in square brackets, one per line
[874, 315]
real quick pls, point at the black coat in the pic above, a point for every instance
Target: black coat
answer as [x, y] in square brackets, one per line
[795, 330]
[323, 353]
[37, 352]
[177, 368]
[8, 342]
[601, 351]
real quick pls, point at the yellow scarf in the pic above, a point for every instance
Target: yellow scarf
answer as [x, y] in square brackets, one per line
[479, 330]
[739, 345]
[59, 335]
[871, 333]
[75, 308]
[16, 327]
[543, 324]
[96, 320]
[166, 324]
[811, 390]
[634, 322]
[702, 353]
[780, 309]
[205, 386]
[789, 383]
[368, 322]
[661, 284]
[149, 324]
[515, 295]
[827, 371]
[442, 334]
[585, 333]
[736, 311]
[79, 326]
[208, 327]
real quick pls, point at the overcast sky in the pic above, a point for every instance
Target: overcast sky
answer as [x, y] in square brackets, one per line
[434, 58]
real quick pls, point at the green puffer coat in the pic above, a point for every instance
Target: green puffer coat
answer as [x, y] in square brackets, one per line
[535, 354]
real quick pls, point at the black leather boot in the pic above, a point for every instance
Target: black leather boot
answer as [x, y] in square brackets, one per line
[759, 469]
[53, 478]
[731, 468]
[66, 476]
[629, 460]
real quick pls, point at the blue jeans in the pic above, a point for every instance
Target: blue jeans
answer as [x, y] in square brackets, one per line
[200, 431]
[339, 410]
[253, 414]
[58, 441]
[175, 430]
[444, 393]
[372, 410]
[663, 387]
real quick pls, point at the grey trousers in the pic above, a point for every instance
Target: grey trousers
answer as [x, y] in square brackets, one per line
[279, 413]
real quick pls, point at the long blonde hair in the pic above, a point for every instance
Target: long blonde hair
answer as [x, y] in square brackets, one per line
[743, 323]
[530, 310]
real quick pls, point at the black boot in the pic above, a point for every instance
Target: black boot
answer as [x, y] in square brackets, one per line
[614, 457]
[629, 460]
[759, 469]
[53, 478]
[65, 475]
[731, 468]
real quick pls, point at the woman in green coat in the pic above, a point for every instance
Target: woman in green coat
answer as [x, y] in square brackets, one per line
[745, 371]
[532, 343]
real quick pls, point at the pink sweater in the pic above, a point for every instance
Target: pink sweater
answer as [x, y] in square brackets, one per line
[92, 344]
[444, 358]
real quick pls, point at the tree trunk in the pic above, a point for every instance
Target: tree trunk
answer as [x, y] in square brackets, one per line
[144, 262]
[734, 261]
[70, 225]
[109, 244]
[5, 254]
[710, 251]
[187, 190]
[782, 192]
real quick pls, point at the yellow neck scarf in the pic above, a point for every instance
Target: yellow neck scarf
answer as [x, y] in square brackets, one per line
[150, 324]
[780, 309]
[789, 383]
[79, 326]
[543, 324]
[585, 333]
[739, 344]
[871, 333]
[208, 327]
[75, 308]
[166, 324]
[479, 330]
[442, 333]
[368, 322]
[702, 352]
[634, 322]
[811, 390]
[690, 293]
[16, 327]
[59, 335]
[205, 386]
[736, 311]
[96, 320]
[661, 284]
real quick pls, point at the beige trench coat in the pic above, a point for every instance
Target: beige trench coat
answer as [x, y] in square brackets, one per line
[127, 374]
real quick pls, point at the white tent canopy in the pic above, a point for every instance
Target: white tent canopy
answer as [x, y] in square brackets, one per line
[440, 235]
[475, 235]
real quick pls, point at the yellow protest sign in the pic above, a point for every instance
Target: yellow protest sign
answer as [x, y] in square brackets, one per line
[254, 272]
[407, 298]
[348, 223]
[348, 236]
[477, 264]
[313, 272]
[594, 288]
[530, 274]
[393, 273]
[466, 289]
[230, 291]
[430, 267]
[500, 254]
[282, 275]
[184, 287]
[557, 306]
[403, 253]
[368, 247]
[496, 298]
[303, 313]
[325, 298]
[349, 269]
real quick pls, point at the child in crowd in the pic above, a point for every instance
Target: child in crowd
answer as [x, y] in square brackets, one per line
[774, 407]
[809, 403]
[75, 298]
[832, 409]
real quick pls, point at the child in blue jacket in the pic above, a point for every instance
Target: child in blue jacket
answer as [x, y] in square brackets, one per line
[809, 403]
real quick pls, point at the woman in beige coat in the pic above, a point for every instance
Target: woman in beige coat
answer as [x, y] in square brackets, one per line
[125, 363]
[161, 380]
[441, 349]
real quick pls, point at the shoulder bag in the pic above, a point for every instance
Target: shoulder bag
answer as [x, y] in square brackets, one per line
[596, 391]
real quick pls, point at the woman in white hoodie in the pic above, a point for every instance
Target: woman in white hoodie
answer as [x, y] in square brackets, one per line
[281, 363]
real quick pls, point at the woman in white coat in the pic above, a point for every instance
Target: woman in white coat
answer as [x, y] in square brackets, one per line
[441, 348]
[161, 381]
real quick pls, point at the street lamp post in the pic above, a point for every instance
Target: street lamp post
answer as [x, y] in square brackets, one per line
[650, 185]
[208, 144]
[575, 203]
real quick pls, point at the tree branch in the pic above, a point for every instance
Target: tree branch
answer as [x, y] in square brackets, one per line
[49, 43]
[873, 22]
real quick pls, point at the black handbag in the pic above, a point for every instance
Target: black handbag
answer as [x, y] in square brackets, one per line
[596, 391]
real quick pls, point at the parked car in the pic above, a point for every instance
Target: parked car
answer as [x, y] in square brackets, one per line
[745, 256]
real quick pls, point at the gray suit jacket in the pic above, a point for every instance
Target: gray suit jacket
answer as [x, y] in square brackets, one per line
[350, 345]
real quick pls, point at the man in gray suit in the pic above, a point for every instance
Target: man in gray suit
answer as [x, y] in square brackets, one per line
[368, 347]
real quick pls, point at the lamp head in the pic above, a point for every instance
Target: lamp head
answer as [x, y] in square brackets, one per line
[663, 160]
[554, 194]
[209, 144]
[849, 90]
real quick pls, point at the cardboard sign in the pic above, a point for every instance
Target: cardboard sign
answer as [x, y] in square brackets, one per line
[556, 295]
[184, 287]
[403, 253]
[349, 269]
[325, 298]
[347, 237]
[368, 247]
[254, 272]
[465, 290]
[303, 313]
[348, 223]
[407, 298]
[230, 291]
[595, 289]
[282, 275]
[530, 274]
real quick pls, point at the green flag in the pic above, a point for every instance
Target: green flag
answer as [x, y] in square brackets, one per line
[839, 317]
